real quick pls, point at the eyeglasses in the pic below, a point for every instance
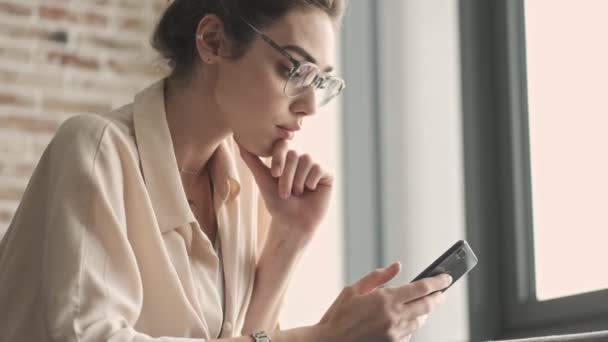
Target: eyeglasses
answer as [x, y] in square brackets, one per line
[305, 74]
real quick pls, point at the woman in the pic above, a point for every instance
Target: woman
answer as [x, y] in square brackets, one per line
[159, 221]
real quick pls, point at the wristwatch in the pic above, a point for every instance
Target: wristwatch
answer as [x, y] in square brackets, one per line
[261, 336]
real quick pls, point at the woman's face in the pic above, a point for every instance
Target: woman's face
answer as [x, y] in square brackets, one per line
[249, 90]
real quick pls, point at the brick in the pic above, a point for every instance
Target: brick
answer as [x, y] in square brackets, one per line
[15, 100]
[138, 68]
[135, 24]
[28, 32]
[131, 4]
[36, 79]
[14, 168]
[11, 192]
[24, 169]
[18, 54]
[61, 14]
[13, 144]
[96, 19]
[8, 76]
[74, 60]
[29, 124]
[6, 215]
[59, 49]
[73, 106]
[60, 36]
[55, 13]
[110, 43]
[15, 9]
[110, 88]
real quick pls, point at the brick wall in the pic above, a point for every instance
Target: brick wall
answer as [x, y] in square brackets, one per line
[60, 58]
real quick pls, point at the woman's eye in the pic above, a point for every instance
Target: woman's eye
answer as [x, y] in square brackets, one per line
[297, 74]
[284, 70]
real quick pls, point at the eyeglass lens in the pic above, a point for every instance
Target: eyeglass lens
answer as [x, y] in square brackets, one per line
[307, 75]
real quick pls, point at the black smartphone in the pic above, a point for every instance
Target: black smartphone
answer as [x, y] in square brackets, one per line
[456, 261]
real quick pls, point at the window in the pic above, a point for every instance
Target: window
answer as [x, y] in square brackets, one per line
[568, 120]
[533, 85]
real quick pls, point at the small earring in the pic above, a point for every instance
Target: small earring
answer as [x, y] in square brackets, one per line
[199, 36]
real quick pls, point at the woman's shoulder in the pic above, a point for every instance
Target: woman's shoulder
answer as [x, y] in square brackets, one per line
[87, 133]
[120, 119]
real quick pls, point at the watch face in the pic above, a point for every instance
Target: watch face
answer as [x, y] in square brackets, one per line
[261, 336]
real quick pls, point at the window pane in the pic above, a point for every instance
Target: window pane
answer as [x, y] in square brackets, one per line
[567, 62]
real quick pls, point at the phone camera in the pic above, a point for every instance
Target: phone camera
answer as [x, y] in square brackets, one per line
[461, 254]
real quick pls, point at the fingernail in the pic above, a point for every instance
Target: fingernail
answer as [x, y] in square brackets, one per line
[450, 279]
[393, 264]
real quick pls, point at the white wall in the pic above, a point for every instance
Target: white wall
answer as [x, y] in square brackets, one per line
[318, 278]
[421, 137]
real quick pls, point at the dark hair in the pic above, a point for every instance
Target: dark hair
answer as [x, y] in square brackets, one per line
[174, 36]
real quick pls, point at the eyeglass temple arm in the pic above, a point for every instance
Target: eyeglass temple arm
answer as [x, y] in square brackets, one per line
[273, 44]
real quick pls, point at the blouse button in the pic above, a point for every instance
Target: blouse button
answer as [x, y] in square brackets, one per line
[227, 326]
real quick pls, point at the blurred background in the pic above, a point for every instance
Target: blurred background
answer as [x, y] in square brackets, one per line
[462, 119]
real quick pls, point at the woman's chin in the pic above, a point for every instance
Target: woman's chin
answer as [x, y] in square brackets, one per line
[256, 148]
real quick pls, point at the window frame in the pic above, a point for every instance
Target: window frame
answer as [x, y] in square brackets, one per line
[498, 184]
[361, 141]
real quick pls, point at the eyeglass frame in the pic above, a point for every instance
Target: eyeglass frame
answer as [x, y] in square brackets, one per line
[317, 82]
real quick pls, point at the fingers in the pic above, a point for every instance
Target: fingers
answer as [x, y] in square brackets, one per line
[296, 173]
[376, 278]
[407, 328]
[416, 313]
[278, 158]
[315, 176]
[422, 287]
[423, 306]
[303, 174]
[289, 171]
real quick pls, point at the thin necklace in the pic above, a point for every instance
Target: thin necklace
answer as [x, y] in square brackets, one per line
[191, 202]
[193, 173]
[182, 170]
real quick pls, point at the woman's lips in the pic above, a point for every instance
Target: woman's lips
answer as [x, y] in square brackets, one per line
[286, 133]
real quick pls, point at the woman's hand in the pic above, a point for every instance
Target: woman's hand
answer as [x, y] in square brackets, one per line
[295, 189]
[363, 312]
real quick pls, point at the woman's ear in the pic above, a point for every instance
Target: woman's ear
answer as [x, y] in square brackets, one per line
[210, 38]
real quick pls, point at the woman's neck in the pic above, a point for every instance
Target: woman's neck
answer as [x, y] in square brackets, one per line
[195, 122]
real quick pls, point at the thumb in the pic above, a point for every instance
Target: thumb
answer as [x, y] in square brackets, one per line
[260, 171]
[376, 278]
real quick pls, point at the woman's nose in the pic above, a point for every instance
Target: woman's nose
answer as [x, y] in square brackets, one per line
[305, 103]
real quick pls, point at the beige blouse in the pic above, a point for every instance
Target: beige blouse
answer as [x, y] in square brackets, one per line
[104, 246]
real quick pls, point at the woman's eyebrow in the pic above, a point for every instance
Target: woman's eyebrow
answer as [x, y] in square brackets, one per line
[302, 52]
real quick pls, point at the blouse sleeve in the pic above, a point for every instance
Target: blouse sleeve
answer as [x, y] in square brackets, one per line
[264, 219]
[92, 286]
